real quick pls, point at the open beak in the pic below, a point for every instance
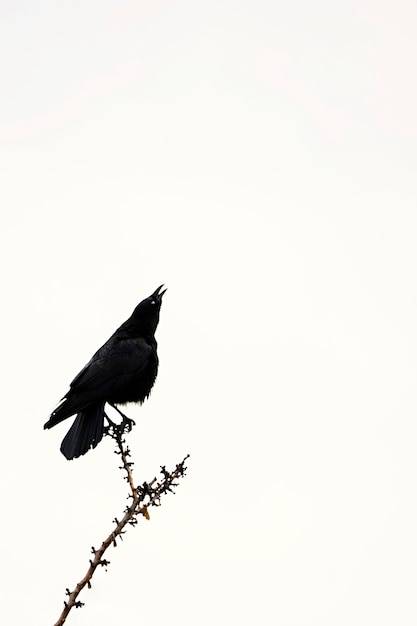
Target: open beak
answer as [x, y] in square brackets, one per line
[157, 294]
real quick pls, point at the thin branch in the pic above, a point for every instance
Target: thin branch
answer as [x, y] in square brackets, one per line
[116, 432]
[143, 497]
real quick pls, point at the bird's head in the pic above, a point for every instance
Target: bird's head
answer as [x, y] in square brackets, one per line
[146, 314]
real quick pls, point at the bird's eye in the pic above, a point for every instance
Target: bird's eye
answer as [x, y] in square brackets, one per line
[153, 302]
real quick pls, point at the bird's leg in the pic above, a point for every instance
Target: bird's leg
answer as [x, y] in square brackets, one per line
[126, 421]
[111, 423]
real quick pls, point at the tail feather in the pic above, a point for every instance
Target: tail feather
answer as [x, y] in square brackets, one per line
[85, 433]
[68, 406]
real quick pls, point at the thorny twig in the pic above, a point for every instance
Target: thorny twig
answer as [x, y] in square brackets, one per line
[143, 497]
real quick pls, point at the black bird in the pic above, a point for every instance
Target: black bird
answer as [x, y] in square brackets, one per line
[123, 370]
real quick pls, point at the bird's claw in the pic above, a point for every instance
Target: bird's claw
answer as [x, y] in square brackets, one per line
[127, 423]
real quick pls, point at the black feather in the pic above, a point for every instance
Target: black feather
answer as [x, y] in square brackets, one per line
[85, 433]
[123, 370]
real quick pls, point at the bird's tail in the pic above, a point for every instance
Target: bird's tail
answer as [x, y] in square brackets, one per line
[85, 433]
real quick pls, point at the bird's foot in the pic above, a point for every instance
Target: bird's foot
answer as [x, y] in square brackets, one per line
[127, 423]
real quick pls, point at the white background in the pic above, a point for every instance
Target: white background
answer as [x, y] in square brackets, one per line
[258, 158]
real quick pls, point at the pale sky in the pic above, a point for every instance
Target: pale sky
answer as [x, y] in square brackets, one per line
[259, 159]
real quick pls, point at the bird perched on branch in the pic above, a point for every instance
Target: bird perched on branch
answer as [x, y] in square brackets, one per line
[123, 370]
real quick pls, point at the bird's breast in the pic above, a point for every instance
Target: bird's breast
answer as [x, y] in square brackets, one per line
[136, 386]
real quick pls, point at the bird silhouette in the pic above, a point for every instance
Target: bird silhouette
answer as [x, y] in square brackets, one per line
[123, 370]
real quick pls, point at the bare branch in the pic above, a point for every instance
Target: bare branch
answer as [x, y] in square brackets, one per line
[143, 497]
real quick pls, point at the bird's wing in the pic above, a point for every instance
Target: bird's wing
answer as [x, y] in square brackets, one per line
[118, 360]
[114, 365]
